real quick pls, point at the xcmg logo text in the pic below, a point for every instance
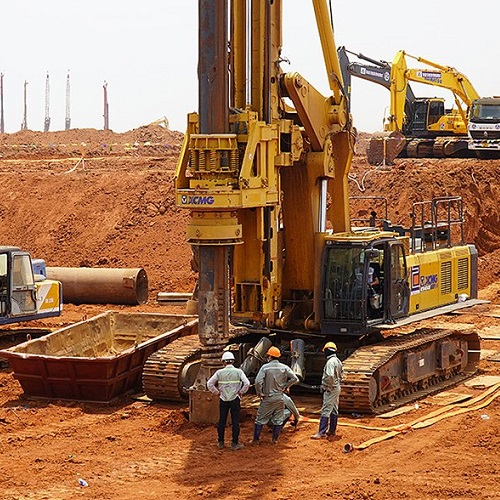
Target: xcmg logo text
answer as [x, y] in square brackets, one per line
[197, 200]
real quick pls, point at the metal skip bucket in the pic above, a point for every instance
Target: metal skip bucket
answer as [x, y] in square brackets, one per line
[86, 285]
[385, 147]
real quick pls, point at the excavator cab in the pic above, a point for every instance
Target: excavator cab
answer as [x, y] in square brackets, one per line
[426, 112]
[25, 296]
[364, 284]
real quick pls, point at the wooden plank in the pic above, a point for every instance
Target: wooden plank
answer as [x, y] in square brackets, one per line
[488, 353]
[447, 398]
[397, 411]
[483, 381]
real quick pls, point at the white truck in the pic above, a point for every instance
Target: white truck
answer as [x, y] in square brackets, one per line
[484, 127]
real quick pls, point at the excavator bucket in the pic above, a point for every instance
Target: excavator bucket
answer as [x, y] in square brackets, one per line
[385, 147]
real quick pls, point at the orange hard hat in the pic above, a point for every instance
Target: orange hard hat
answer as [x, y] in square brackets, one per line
[274, 352]
[330, 345]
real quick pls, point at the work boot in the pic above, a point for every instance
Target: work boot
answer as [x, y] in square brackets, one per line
[220, 445]
[323, 426]
[276, 433]
[236, 446]
[333, 424]
[257, 429]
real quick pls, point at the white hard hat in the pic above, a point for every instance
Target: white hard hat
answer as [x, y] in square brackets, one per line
[228, 356]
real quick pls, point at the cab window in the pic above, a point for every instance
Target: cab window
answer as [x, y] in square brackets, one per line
[22, 274]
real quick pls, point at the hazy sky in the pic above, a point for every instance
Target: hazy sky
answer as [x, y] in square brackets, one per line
[147, 53]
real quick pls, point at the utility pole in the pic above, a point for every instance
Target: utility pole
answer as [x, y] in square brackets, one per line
[2, 128]
[106, 106]
[24, 124]
[67, 123]
[46, 124]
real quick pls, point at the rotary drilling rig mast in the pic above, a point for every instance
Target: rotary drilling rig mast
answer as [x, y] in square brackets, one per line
[67, 123]
[24, 124]
[2, 128]
[46, 123]
[106, 106]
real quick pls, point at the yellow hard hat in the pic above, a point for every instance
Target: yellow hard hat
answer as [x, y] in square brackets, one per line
[274, 352]
[330, 345]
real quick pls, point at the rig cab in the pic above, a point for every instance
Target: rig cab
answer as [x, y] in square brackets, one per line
[373, 277]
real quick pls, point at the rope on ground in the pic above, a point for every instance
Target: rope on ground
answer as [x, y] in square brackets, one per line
[72, 169]
[361, 184]
[452, 410]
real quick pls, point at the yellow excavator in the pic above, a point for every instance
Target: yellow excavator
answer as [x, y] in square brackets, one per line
[264, 173]
[423, 127]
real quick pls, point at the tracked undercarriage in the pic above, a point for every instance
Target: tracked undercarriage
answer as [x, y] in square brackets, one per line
[404, 368]
[169, 372]
[377, 377]
[385, 148]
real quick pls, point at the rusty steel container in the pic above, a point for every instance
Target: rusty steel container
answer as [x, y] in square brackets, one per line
[94, 360]
[92, 285]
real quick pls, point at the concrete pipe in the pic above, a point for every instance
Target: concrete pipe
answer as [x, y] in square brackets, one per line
[86, 285]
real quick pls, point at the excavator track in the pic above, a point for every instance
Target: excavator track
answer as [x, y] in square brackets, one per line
[420, 148]
[164, 372]
[438, 148]
[395, 372]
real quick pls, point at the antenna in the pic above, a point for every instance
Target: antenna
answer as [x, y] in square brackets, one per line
[46, 124]
[67, 123]
[2, 129]
[106, 106]
[24, 124]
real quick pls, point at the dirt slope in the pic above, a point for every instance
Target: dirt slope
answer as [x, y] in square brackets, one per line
[117, 209]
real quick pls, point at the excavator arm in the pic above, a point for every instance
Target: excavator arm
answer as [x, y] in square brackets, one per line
[440, 76]
[446, 77]
[376, 72]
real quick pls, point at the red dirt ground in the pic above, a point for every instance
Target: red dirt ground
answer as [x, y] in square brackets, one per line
[117, 210]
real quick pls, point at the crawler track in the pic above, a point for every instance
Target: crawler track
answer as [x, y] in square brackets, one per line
[402, 369]
[377, 378]
[14, 336]
[168, 372]
[163, 373]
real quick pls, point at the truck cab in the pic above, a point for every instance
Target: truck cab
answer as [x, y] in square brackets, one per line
[484, 127]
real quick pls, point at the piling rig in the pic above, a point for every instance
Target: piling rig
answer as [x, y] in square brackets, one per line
[264, 172]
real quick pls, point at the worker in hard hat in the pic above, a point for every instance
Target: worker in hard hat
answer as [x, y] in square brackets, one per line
[229, 383]
[330, 385]
[272, 381]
